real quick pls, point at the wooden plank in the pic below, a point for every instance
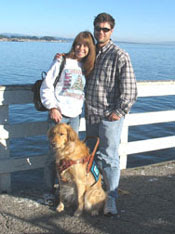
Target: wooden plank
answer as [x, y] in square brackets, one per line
[4, 148]
[82, 124]
[20, 164]
[150, 117]
[24, 130]
[11, 94]
[156, 88]
[15, 87]
[4, 131]
[15, 94]
[4, 114]
[124, 140]
[29, 129]
[147, 145]
[5, 183]
[16, 97]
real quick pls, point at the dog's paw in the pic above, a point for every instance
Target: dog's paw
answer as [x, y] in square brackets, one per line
[94, 213]
[60, 207]
[77, 213]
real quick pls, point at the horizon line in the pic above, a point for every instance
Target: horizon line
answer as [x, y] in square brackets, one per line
[70, 38]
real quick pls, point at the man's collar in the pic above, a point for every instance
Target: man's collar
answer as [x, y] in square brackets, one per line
[104, 48]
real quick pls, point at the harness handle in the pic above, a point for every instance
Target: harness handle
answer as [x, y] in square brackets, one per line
[92, 155]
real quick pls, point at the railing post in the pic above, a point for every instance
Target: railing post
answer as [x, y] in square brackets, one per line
[123, 144]
[5, 178]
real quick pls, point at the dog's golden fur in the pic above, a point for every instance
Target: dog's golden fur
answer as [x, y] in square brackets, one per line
[90, 195]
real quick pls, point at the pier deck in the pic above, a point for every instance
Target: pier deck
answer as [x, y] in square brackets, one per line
[146, 205]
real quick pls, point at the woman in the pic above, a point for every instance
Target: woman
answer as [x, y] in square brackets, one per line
[65, 101]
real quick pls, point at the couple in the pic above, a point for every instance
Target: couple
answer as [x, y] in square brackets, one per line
[106, 73]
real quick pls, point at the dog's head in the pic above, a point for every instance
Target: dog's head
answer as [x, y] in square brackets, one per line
[60, 135]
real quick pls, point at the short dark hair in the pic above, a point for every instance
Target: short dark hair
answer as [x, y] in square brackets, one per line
[104, 17]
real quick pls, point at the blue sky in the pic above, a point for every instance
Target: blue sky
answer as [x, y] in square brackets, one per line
[136, 20]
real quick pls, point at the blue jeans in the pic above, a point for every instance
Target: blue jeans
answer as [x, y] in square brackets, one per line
[50, 169]
[107, 156]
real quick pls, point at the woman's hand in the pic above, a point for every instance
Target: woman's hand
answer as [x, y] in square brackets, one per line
[55, 115]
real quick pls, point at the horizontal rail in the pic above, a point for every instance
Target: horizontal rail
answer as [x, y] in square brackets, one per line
[156, 88]
[40, 128]
[11, 94]
[150, 118]
[147, 145]
[13, 164]
[23, 130]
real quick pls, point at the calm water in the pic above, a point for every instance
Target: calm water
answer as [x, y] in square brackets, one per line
[23, 62]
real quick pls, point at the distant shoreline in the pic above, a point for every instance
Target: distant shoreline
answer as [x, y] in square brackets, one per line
[32, 40]
[67, 40]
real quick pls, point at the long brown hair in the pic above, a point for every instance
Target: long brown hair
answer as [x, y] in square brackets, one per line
[86, 38]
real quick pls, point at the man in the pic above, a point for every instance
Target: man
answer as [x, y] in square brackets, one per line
[110, 92]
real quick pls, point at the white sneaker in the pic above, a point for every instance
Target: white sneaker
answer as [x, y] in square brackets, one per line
[110, 206]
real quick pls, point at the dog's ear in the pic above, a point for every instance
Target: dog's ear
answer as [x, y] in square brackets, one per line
[49, 132]
[72, 135]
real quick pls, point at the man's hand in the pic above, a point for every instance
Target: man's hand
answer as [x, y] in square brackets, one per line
[58, 56]
[113, 117]
[55, 114]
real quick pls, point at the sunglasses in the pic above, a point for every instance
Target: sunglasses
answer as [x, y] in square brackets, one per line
[98, 29]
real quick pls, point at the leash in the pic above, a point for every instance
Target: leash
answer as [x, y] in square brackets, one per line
[92, 155]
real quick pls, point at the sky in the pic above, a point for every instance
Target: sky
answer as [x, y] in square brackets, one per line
[136, 20]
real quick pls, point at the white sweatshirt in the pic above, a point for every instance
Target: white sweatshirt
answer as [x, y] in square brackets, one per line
[68, 95]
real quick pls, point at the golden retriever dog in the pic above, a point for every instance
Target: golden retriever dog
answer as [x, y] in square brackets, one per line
[72, 157]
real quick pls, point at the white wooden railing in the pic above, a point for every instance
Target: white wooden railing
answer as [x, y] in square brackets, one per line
[22, 94]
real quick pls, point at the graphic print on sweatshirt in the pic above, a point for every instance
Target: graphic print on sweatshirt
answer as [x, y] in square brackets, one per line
[73, 84]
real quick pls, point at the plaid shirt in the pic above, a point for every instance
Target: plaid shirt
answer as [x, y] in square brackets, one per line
[112, 85]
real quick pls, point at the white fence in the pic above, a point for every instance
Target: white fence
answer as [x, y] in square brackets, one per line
[22, 94]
